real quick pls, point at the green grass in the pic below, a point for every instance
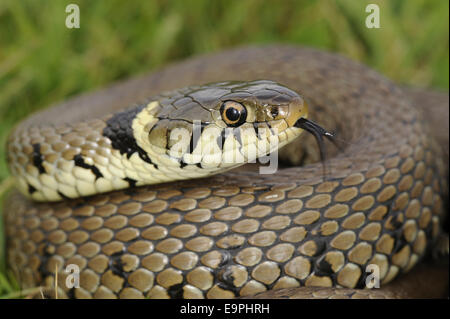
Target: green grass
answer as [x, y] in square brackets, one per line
[42, 62]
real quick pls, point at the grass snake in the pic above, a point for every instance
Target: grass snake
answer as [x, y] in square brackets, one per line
[102, 185]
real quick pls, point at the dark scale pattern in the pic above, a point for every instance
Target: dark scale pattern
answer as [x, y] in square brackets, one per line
[119, 130]
[242, 233]
[37, 158]
[78, 159]
[153, 216]
[31, 189]
[131, 181]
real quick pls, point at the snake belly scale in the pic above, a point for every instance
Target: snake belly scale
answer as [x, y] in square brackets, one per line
[238, 233]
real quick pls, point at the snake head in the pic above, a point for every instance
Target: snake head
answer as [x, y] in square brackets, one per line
[220, 125]
[188, 133]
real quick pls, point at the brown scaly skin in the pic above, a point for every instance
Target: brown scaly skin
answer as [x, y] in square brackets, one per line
[240, 234]
[423, 282]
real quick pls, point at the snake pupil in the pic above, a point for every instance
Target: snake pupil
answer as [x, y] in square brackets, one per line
[233, 114]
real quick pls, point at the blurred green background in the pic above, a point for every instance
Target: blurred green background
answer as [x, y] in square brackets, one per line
[42, 62]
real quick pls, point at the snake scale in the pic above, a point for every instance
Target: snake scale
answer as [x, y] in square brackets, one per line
[238, 233]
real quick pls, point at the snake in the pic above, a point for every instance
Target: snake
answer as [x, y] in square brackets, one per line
[143, 186]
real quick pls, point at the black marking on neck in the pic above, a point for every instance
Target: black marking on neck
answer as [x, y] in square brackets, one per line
[119, 129]
[31, 189]
[38, 159]
[131, 182]
[79, 161]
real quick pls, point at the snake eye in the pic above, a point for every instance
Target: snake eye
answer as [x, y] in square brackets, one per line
[233, 113]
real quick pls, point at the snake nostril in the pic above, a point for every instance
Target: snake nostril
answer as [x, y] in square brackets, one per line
[274, 111]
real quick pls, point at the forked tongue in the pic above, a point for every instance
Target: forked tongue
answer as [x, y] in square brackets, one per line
[318, 132]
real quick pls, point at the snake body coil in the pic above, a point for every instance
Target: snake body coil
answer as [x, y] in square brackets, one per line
[235, 234]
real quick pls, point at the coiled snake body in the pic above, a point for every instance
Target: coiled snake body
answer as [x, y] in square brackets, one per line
[238, 233]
